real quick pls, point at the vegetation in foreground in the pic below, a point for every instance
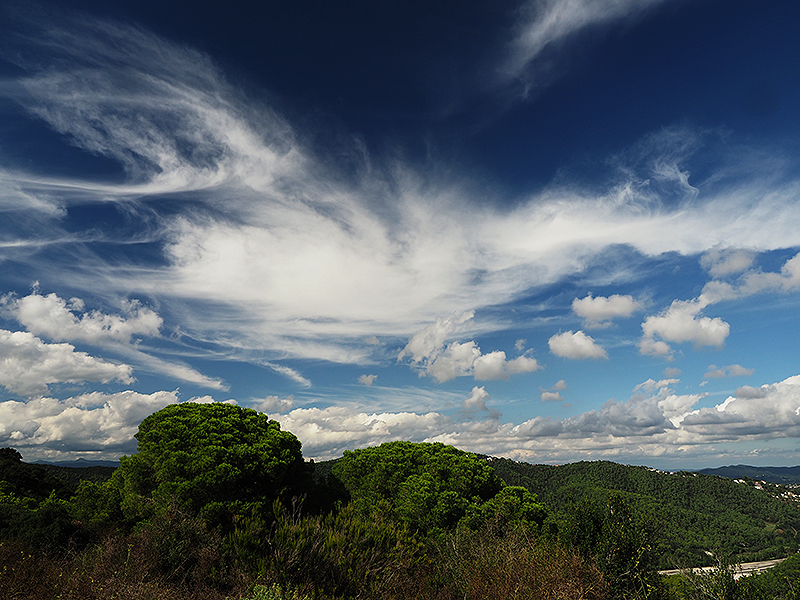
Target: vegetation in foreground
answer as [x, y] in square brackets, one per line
[218, 503]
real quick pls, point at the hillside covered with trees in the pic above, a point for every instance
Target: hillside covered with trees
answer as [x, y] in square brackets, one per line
[218, 502]
[694, 514]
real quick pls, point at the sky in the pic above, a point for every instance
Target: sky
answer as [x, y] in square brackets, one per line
[549, 230]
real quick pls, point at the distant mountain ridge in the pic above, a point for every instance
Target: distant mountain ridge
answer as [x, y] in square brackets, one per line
[779, 475]
[80, 463]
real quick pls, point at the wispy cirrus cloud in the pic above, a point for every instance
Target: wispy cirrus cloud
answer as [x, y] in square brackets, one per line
[260, 245]
[546, 23]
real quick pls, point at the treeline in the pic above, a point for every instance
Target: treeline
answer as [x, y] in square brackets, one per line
[218, 502]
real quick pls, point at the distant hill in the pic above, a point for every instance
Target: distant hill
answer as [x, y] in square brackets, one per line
[778, 475]
[80, 463]
[696, 513]
[38, 480]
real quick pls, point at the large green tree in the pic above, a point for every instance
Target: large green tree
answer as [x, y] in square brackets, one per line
[424, 485]
[211, 460]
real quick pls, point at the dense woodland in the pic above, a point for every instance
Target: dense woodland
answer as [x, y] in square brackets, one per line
[218, 503]
[695, 513]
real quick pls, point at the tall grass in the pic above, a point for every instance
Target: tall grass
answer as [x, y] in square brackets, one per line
[171, 558]
[517, 566]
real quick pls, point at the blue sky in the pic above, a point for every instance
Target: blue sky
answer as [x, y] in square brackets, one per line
[547, 230]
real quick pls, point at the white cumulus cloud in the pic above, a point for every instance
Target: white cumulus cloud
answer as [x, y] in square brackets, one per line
[61, 320]
[475, 404]
[598, 312]
[656, 423]
[715, 372]
[272, 404]
[522, 364]
[755, 281]
[722, 262]
[367, 379]
[553, 394]
[443, 362]
[682, 322]
[30, 364]
[576, 344]
[96, 424]
[769, 411]
[57, 319]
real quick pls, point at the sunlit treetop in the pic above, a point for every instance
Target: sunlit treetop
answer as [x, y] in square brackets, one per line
[210, 459]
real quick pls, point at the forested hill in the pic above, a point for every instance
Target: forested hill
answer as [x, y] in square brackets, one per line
[37, 480]
[779, 475]
[218, 498]
[694, 513]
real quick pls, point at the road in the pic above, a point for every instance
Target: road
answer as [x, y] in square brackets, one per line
[741, 570]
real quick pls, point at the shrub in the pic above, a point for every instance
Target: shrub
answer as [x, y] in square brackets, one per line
[340, 555]
[480, 566]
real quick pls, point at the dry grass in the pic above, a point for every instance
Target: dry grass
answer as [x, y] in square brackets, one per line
[133, 567]
[516, 566]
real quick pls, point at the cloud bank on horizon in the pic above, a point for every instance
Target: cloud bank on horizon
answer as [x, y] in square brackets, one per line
[178, 227]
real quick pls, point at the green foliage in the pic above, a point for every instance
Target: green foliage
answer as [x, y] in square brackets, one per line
[712, 584]
[25, 480]
[781, 582]
[476, 565]
[200, 512]
[427, 486]
[695, 512]
[10, 455]
[621, 545]
[137, 566]
[48, 525]
[8, 496]
[184, 550]
[96, 506]
[275, 592]
[345, 554]
[213, 460]
[510, 507]
[71, 477]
